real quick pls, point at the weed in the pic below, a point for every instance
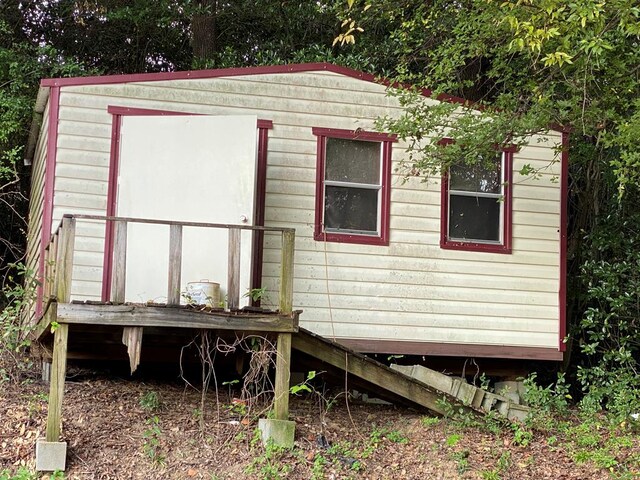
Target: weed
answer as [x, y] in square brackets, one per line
[317, 469]
[521, 435]
[503, 464]
[430, 421]
[396, 436]
[269, 464]
[256, 294]
[452, 440]
[150, 401]
[151, 445]
[462, 461]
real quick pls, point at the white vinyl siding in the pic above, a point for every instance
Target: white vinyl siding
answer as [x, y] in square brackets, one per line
[410, 290]
[34, 244]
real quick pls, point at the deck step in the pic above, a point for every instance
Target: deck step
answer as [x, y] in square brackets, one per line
[417, 384]
[467, 394]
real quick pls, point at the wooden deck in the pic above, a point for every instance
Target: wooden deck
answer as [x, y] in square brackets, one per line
[60, 315]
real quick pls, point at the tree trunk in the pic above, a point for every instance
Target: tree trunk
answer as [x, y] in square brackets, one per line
[203, 30]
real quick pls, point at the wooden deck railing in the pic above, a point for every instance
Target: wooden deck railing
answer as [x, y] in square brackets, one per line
[59, 259]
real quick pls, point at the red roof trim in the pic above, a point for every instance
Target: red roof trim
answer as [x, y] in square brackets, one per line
[234, 72]
[564, 199]
[203, 74]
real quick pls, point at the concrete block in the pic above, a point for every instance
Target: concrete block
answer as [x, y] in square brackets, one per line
[510, 389]
[50, 456]
[281, 432]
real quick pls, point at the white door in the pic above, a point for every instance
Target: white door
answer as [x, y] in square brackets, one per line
[187, 168]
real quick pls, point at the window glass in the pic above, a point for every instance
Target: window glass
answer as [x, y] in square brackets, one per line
[352, 161]
[481, 177]
[351, 209]
[474, 218]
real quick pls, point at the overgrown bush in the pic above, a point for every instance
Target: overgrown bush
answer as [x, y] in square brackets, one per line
[609, 330]
[18, 293]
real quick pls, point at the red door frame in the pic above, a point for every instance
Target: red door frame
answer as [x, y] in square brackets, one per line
[114, 161]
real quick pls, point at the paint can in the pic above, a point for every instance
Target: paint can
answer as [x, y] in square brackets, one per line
[203, 292]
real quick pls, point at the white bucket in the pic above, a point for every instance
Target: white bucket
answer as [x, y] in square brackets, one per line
[203, 293]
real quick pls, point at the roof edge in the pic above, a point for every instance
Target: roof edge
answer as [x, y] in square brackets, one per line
[209, 73]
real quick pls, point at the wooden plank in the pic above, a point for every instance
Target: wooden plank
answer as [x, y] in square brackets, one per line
[64, 260]
[283, 374]
[286, 272]
[56, 388]
[132, 338]
[152, 316]
[50, 315]
[184, 224]
[175, 264]
[233, 269]
[119, 262]
[370, 370]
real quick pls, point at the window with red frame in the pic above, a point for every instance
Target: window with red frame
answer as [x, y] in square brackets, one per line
[352, 190]
[476, 213]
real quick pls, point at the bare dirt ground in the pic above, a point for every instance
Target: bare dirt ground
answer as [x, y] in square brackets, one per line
[123, 429]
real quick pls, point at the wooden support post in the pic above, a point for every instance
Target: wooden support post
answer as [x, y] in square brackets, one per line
[233, 269]
[56, 388]
[119, 262]
[283, 374]
[286, 272]
[175, 264]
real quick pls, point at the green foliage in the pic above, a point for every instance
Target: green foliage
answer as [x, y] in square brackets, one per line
[19, 292]
[256, 294]
[304, 386]
[453, 439]
[152, 441]
[552, 399]
[608, 335]
[462, 461]
[269, 465]
[522, 436]
[150, 401]
[430, 421]
[24, 474]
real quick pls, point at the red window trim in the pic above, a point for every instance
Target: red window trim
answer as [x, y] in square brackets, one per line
[117, 113]
[507, 205]
[386, 140]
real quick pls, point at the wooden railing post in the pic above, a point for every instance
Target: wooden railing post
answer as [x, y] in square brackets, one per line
[118, 283]
[233, 269]
[175, 264]
[64, 260]
[286, 272]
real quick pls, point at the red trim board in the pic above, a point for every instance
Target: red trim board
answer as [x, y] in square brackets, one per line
[49, 190]
[505, 247]
[395, 347]
[112, 189]
[564, 200]
[385, 197]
